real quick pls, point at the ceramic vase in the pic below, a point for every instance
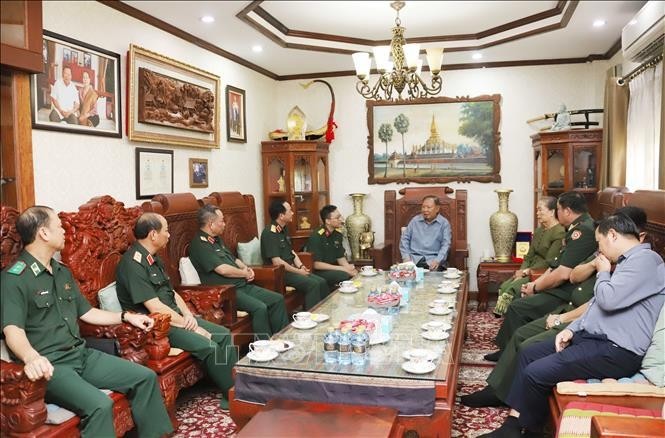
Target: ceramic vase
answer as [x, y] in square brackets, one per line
[355, 224]
[503, 226]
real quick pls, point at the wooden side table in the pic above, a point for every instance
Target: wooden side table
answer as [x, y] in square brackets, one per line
[491, 275]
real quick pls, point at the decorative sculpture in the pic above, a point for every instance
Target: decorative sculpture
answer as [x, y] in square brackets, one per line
[366, 241]
[355, 224]
[561, 120]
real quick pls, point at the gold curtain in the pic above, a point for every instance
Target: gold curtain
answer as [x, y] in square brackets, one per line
[101, 75]
[615, 118]
[661, 168]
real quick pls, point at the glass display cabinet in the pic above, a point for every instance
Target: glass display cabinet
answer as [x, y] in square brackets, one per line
[296, 172]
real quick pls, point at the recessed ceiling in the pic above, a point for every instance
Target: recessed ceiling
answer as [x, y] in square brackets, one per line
[309, 38]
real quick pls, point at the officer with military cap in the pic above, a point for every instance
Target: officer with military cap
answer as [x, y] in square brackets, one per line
[276, 250]
[144, 286]
[215, 264]
[41, 306]
[326, 246]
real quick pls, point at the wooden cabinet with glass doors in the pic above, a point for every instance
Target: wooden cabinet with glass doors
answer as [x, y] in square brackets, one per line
[567, 161]
[296, 172]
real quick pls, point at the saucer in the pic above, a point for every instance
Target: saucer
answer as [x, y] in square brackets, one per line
[281, 346]
[348, 291]
[379, 338]
[440, 302]
[320, 317]
[451, 276]
[421, 368]
[435, 337]
[430, 355]
[444, 327]
[443, 290]
[444, 312]
[368, 274]
[262, 358]
[303, 325]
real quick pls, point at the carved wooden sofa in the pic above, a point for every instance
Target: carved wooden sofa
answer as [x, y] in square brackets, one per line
[241, 226]
[180, 211]
[23, 410]
[653, 202]
[398, 213]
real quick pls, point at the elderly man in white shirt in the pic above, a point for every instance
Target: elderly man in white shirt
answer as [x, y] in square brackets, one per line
[64, 99]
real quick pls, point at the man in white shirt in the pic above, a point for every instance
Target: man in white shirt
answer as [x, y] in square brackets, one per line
[64, 99]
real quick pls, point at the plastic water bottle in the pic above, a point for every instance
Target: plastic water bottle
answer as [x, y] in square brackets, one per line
[344, 347]
[359, 342]
[330, 347]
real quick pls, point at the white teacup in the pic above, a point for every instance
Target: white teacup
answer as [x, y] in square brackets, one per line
[439, 309]
[261, 348]
[302, 317]
[453, 271]
[437, 333]
[346, 285]
[367, 269]
[435, 326]
[418, 357]
[439, 303]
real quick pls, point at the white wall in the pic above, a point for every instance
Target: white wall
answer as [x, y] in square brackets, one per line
[72, 168]
[526, 92]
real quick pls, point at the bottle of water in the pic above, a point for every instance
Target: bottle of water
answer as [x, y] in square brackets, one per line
[344, 347]
[330, 347]
[359, 346]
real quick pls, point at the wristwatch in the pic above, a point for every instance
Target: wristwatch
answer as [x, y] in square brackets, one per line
[122, 316]
[557, 321]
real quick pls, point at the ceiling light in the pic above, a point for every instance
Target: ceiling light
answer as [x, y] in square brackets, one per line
[599, 23]
[208, 19]
[400, 72]
[477, 55]
[257, 49]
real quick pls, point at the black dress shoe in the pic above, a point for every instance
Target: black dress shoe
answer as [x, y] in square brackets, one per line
[509, 429]
[484, 398]
[493, 357]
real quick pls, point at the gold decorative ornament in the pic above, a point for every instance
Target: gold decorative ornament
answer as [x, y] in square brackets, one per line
[503, 227]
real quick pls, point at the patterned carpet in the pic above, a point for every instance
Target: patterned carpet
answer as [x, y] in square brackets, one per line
[200, 416]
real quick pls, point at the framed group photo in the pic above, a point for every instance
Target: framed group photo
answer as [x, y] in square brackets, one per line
[171, 102]
[198, 172]
[236, 122]
[154, 172]
[79, 90]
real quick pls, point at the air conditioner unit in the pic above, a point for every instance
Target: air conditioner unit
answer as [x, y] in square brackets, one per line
[642, 38]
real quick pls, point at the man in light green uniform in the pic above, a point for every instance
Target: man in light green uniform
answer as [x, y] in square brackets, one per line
[215, 264]
[144, 286]
[276, 250]
[325, 244]
[552, 289]
[41, 305]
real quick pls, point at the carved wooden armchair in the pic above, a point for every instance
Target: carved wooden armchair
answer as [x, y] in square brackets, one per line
[95, 238]
[398, 213]
[241, 226]
[180, 211]
[23, 410]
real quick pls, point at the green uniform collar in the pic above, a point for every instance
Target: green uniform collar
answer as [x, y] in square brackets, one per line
[35, 266]
[205, 237]
[584, 217]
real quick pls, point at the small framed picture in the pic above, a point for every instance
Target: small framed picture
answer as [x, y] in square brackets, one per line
[154, 172]
[198, 172]
[236, 122]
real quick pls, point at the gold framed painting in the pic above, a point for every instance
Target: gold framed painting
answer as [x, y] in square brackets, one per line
[171, 102]
[198, 172]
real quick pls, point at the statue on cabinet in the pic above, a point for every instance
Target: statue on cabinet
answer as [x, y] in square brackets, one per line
[366, 239]
[304, 223]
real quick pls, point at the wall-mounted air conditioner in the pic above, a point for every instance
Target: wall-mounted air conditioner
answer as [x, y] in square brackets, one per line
[642, 38]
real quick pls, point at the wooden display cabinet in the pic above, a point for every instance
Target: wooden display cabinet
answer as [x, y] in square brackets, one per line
[21, 40]
[296, 172]
[566, 161]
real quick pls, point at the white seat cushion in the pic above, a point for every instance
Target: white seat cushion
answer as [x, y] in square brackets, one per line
[188, 274]
[108, 299]
[250, 253]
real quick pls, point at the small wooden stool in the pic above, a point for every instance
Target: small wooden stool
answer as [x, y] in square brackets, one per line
[291, 418]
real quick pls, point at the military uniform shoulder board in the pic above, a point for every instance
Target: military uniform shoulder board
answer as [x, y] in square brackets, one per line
[576, 234]
[273, 228]
[203, 238]
[211, 240]
[321, 231]
[137, 257]
[18, 268]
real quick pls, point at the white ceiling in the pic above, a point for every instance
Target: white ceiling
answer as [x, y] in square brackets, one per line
[373, 20]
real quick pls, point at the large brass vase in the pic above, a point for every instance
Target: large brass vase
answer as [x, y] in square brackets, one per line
[503, 226]
[355, 224]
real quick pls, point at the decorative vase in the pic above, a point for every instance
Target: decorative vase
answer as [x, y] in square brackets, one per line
[503, 226]
[355, 224]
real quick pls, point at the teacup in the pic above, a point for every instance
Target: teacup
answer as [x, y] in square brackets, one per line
[418, 357]
[261, 348]
[439, 303]
[367, 269]
[437, 333]
[435, 326]
[439, 309]
[453, 271]
[346, 285]
[302, 317]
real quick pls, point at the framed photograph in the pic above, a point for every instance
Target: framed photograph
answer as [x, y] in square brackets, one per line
[434, 140]
[236, 127]
[171, 102]
[79, 90]
[198, 172]
[154, 172]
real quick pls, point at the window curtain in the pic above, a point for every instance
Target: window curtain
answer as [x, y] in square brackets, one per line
[615, 115]
[643, 133]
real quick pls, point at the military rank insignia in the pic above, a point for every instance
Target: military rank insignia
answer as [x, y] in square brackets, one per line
[150, 259]
[137, 257]
[35, 269]
[576, 234]
[18, 268]
[211, 240]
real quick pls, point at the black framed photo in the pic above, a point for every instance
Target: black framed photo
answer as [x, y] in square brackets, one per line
[79, 90]
[154, 172]
[236, 121]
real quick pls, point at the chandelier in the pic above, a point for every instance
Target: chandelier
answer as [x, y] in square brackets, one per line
[403, 72]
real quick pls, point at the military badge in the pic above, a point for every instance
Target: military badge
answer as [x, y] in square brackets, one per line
[211, 240]
[150, 259]
[35, 269]
[18, 268]
[137, 257]
[203, 238]
[321, 231]
[68, 286]
[576, 234]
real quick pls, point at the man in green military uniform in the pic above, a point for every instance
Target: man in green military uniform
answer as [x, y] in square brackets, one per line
[552, 289]
[276, 250]
[215, 264]
[547, 327]
[41, 304]
[325, 244]
[144, 286]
